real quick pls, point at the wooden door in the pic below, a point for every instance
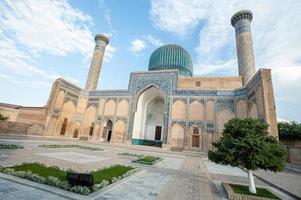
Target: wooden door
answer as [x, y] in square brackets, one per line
[158, 133]
[195, 141]
[91, 129]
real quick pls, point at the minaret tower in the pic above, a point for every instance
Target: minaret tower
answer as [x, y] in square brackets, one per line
[101, 41]
[245, 55]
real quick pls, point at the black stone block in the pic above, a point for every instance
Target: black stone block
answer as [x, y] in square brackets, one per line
[72, 178]
[86, 180]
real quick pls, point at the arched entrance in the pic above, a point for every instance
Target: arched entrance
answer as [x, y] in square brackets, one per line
[64, 126]
[107, 131]
[149, 118]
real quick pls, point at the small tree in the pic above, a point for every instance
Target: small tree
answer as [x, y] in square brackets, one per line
[289, 130]
[246, 144]
[3, 117]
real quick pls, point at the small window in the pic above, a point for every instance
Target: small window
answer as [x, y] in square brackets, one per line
[195, 131]
[198, 83]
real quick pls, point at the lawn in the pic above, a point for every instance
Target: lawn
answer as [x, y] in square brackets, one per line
[10, 146]
[109, 173]
[41, 170]
[70, 146]
[148, 160]
[261, 192]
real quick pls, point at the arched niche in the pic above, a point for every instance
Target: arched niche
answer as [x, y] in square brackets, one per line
[253, 111]
[149, 116]
[223, 116]
[196, 111]
[110, 107]
[177, 136]
[66, 119]
[89, 121]
[118, 132]
[178, 110]
[195, 139]
[241, 109]
[122, 108]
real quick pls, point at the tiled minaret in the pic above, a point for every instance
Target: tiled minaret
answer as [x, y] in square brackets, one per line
[101, 41]
[245, 55]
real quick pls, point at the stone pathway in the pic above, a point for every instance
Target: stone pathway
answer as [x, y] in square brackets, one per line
[14, 191]
[178, 176]
[190, 182]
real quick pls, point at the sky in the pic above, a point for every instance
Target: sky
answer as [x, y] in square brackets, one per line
[42, 40]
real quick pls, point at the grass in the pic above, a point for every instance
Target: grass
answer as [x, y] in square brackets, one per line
[98, 176]
[131, 154]
[148, 160]
[261, 192]
[41, 170]
[10, 146]
[70, 146]
[109, 173]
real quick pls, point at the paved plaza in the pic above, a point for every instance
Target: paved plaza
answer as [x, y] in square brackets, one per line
[180, 175]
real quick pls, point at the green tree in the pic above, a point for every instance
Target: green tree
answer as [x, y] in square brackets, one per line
[289, 130]
[246, 144]
[3, 117]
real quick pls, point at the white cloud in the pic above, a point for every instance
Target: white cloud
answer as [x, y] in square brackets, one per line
[276, 38]
[137, 46]
[47, 26]
[30, 29]
[110, 51]
[153, 41]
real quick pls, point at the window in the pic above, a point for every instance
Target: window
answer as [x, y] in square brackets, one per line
[198, 83]
[195, 131]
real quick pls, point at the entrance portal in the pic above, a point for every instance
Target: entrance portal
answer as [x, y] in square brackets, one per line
[149, 118]
[109, 130]
[158, 133]
[64, 126]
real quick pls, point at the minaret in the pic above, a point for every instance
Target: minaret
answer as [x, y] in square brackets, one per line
[245, 55]
[101, 41]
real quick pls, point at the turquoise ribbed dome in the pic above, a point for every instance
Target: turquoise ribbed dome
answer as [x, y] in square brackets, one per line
[171, 57]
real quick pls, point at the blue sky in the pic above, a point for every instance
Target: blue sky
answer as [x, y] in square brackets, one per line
[43, 40]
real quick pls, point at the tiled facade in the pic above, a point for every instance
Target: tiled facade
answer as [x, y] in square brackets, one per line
[190, 112]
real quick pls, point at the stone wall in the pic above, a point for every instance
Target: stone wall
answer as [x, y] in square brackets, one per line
[293, 149]
[10, 112]
[210, 83]
[7, 127]
[32, 115]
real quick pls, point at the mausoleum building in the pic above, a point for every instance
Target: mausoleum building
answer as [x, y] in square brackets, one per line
[166, 105]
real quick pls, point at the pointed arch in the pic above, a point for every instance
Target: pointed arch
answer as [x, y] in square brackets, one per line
[122, 108]
[253, 111]
[195, 138]
[66, 119]
[89, 121]
[241, 109]
[196, 111]
[118, 133]
[149, 114]
[178, 110]
[177, 136]
[110, 107]
[223, 116]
